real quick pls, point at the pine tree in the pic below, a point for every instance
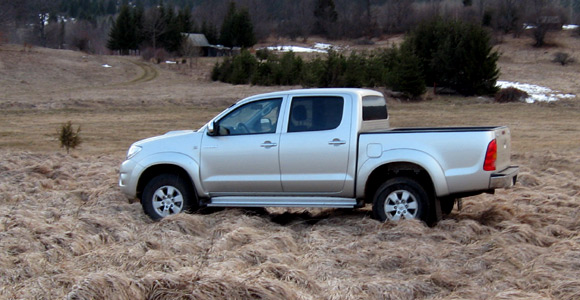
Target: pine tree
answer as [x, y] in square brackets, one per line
[456, 55]
[137, 20]
[227, 32]
[245, 30]
[210, 32]
[237, 28]
[111, 7]
[122, 35]
[325, 14]
[185, 20]
[171, 37]
[406, 73]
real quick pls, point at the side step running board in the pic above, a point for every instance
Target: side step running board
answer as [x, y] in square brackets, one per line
[261, 201]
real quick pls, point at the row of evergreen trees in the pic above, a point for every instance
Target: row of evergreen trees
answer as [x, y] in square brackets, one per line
[87, 9]
[445, 54]
[157, 27]
[161, 27]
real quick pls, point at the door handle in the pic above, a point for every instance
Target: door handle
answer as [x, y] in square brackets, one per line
[268, 144]
[337, 142]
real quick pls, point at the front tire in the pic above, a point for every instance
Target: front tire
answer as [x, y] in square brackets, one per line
[165, 195]
[401, 198]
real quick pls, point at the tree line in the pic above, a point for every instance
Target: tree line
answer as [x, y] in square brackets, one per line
[74, 23]
[452, 55]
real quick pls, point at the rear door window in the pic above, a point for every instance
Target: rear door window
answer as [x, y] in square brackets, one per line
[315, 113]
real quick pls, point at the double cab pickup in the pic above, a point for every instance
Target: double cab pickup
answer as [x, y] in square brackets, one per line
[317, 148]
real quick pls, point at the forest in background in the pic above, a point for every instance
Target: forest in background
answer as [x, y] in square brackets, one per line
[86, 24]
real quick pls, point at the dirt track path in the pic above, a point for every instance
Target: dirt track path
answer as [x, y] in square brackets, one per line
[149, 73]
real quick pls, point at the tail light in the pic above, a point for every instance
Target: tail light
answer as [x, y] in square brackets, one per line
[490, 156]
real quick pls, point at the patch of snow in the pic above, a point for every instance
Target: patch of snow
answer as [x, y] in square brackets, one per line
[169, 62]
[295, 49]
[569, 27]
[107, 66]
[536, 92]
[322, 46]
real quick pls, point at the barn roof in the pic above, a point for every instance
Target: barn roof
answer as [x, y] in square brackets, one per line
[198, 40]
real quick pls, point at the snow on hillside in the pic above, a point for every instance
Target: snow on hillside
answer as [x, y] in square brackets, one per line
[536, 92]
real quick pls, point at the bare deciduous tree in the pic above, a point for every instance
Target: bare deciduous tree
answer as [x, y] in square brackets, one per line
[396, 15]
[509, 17]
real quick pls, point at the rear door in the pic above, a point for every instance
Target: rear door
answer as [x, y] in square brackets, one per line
[314, 147]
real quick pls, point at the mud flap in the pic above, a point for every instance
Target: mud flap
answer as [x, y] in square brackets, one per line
[438, 212]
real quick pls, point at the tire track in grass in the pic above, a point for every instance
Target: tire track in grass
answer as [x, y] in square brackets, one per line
[149, 73]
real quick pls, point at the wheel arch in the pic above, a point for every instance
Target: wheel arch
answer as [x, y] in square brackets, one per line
[168, 163]
[397, 169]
[155, 170]
[404, 162]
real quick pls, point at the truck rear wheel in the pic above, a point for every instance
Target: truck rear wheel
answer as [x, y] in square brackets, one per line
[165, 195]
[401, 198]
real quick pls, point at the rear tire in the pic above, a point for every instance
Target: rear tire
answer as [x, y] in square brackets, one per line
[165, 195]
[401, 198]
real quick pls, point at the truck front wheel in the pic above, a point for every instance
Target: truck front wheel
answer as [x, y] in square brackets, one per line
[165, 195]
[401, 198]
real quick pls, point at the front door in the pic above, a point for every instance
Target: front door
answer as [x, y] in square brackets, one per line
[243, 156]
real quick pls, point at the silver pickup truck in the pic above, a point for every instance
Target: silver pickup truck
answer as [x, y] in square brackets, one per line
[317, 148]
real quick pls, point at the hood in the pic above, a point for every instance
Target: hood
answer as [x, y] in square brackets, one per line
[174, 141]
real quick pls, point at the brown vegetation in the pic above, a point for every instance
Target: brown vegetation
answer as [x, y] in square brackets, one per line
[67, 231]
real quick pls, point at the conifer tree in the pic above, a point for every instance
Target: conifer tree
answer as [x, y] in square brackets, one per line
[456, 55]
[122, 34]
[185, 20]
[237, 28]
[138, 18]
[171, 37]
[245, 29]
[227, 31]
[325, 14]
[406, 74]
[210, 32]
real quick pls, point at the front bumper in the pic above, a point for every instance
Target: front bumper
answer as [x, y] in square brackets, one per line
[504, 179]
[128, 176]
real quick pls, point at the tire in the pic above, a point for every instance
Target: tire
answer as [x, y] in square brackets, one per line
[165, 195]
[401, 198]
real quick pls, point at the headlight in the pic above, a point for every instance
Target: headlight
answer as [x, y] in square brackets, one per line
[133, 150]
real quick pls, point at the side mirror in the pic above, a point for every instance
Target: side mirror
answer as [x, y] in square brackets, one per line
[211, 129]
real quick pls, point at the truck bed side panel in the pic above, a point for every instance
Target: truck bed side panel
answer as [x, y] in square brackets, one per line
[458, 152]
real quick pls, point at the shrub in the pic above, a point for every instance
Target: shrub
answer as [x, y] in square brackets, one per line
[290, 69]
[236, 70]
[266, 73]
[332, 70]
[563, 58]
[68, 137]
[455, 55]
[263, 54]
[313, 73]
[406, 74]
[511, 94]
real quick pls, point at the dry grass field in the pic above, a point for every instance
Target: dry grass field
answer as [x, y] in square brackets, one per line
[66, 231]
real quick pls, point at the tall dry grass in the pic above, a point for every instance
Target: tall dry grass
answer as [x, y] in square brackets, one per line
[67, 232]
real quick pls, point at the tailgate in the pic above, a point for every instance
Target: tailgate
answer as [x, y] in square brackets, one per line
[503, 140]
